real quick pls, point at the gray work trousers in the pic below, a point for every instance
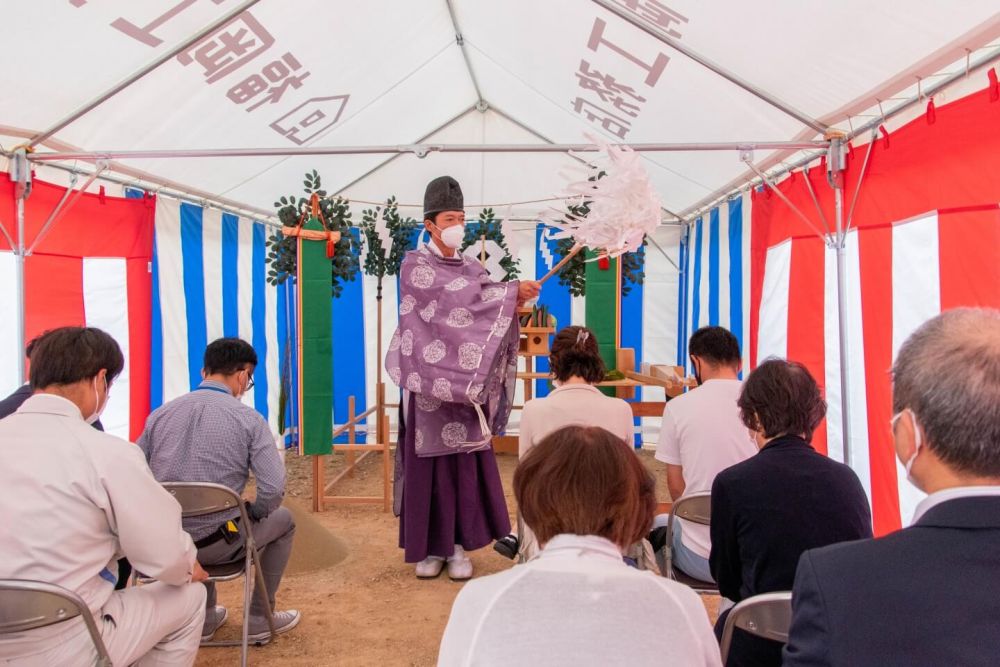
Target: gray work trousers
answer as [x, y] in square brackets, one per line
[273, 535]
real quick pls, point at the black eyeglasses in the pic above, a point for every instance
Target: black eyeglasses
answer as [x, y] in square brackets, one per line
[249, 380]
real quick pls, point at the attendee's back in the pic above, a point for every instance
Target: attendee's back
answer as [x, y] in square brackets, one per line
[196, 421]
[769, 509]
[576, 365]
[74, 499]
[560, 609]
[577, 603]
[928, 594]
[700, 436]
[209, 435]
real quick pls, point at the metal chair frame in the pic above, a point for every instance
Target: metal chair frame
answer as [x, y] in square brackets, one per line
[697, 508]
[27, 605]
[199, 499]
[768, 615]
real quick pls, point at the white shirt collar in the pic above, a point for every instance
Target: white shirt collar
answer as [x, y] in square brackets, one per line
[51, 404]
[568, 545]
[567, 387]
[945, 495]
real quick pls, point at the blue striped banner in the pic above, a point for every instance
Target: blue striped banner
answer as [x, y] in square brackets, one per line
[556, 296]
[349, 377]
[210, 280]
[632, 330]
[724, 280]
[194, 289]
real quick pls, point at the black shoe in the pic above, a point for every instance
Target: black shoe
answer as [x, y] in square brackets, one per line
[507, 546]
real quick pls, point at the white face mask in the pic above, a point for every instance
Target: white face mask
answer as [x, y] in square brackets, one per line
[98, 407]
[917, 442]
[452, 237]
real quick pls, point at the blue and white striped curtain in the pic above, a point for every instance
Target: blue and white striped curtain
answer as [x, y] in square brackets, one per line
[209, 281]
[715, 276]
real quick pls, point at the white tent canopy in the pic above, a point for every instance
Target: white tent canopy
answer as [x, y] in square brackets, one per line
[393, 73]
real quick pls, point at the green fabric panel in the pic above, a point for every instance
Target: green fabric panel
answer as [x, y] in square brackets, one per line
[317, 346]
[599, 308]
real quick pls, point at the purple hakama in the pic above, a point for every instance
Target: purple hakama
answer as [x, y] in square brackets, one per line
[455, 355]
[448, 500]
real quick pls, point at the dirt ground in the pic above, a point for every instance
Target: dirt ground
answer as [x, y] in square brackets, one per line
[360, 603]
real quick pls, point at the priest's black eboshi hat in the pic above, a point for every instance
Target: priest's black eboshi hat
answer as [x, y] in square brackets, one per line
[442, 194]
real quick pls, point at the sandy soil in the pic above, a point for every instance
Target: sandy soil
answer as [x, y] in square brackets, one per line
[361, 604]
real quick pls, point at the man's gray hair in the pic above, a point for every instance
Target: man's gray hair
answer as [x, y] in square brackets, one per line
[948, 374]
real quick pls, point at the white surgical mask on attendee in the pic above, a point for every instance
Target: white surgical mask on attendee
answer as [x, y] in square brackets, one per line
[917, 441]
[98, 406]
[452, 237]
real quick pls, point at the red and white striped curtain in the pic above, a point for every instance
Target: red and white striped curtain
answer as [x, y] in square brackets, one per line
[91, 268]
[925, 238]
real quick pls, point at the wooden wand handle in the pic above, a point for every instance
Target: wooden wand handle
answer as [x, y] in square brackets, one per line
[555, 269]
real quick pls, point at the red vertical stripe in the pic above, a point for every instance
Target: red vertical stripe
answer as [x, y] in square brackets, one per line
[876, 313]
[139, 334]
[53, 293]
[969, 247]
[805, 315]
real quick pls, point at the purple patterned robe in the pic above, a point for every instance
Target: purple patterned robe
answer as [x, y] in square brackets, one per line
[455, 355]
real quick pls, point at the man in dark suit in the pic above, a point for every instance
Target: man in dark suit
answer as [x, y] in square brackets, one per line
[787, 498]
[928, 594]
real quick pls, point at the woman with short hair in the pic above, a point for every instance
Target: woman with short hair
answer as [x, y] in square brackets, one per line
[786, 499]
[587, 498]
[576, 365]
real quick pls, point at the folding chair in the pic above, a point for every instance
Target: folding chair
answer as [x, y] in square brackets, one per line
[201, 498]
[768, 615]
[696, 508]
[27, 605]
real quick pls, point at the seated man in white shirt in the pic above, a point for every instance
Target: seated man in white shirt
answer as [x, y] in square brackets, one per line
[701, 435]
[74, 500]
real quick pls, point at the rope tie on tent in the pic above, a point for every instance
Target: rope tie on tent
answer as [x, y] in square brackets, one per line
[331, 238]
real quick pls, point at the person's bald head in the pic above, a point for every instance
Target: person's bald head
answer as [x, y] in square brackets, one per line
[948, 374]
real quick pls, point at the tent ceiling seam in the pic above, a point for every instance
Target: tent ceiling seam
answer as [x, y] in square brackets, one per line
[733, 78]
[423, 138]
[143, 71]
[533, 131]
[749, 179]
[568, 113]
[481, 104]
[341, 124]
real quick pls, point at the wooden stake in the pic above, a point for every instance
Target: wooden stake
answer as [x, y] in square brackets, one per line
[319, 488]
[386, 467]
[351, 434]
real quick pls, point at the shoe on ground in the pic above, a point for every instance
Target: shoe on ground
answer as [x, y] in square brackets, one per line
[283, 622]
[215, 618]
[430, 567]
[459, 565]
[507, 546]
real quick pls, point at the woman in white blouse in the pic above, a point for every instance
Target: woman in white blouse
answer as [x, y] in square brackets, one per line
[576, 365]
[587, 498]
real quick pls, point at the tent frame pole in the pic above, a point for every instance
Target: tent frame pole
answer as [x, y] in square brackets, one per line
[835, 177]
[420, 150]
[22, 177]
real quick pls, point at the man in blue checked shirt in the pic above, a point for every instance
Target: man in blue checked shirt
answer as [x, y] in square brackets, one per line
[209, 435]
